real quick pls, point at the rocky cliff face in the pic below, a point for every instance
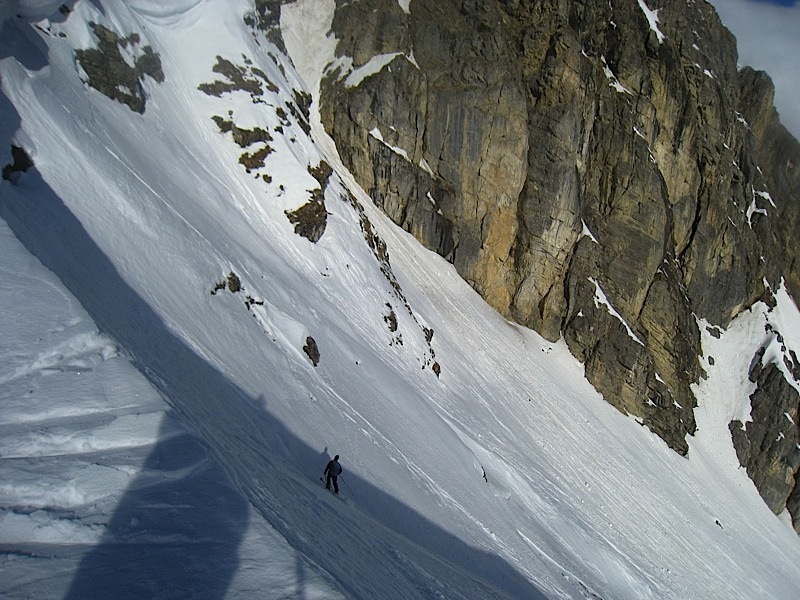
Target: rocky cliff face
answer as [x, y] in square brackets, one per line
[597, 171]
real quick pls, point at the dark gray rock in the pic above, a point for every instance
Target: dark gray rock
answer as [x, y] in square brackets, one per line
[108, 72]
[777, 154]
[22, 162]
[769, 445]
[312, 350]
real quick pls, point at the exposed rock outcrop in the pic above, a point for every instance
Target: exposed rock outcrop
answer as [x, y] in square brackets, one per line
[592, 169]
[116, 76]
[22, 162]
[769, 445]
[778, 166]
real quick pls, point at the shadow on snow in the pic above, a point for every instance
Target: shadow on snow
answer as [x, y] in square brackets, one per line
[370, 545]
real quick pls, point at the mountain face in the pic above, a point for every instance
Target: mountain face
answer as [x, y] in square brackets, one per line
[597, 171]
[201, 305]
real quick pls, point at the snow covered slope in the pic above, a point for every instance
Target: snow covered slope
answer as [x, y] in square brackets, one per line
[163, 430]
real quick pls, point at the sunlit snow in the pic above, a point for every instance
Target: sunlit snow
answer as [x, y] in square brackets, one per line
[161, 440]
[652, 19]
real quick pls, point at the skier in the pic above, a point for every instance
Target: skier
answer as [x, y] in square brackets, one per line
[333, 470]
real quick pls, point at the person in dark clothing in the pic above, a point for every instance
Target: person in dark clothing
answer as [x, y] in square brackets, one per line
[332, 471]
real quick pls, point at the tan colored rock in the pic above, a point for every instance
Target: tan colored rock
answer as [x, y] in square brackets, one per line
[556, 151]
